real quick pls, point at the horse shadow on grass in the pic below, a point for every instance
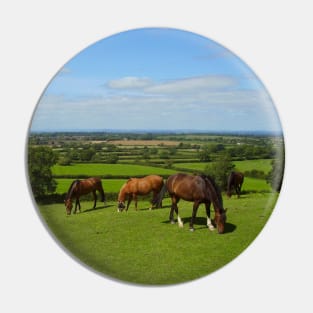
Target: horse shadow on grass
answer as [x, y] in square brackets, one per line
[97, 208]
[229, 227]
[148, 209]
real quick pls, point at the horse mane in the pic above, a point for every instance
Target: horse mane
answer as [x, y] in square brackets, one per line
[122, 192]
[213, 187]
[71, 189]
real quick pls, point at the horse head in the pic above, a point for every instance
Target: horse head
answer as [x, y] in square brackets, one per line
[68, 206]
[220, 220]
[120, 206]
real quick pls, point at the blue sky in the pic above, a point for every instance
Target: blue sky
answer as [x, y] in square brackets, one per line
[155, 79]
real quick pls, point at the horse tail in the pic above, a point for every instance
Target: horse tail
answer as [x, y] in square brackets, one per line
[101, 190]
[158, 199]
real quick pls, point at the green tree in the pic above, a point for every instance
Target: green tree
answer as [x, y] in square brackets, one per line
[40, 161]
[87, 154]
[204, 154]
[220, 170]
[112, 159]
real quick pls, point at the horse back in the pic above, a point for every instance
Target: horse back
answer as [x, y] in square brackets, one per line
[144, 185]
[187, 187]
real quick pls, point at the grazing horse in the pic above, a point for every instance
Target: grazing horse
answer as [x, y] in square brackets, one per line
[197, 189]
[82, 187]
[139, 186]
[235, 180]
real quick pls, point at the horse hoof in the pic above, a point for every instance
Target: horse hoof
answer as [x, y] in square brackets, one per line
[211, 228]
[192, 229]
[172, 222]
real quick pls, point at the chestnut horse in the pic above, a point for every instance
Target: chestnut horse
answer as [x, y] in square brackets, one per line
[197, 189]
[235, 180]
[139, 186]
[82, 187]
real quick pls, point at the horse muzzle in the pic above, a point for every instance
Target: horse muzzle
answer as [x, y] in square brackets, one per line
[120, 206]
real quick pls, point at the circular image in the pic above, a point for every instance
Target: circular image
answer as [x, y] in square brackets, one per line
[155, 156]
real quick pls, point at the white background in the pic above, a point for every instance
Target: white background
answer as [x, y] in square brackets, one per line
[274, 38]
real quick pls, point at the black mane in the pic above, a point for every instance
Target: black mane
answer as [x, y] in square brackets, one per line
[215, 186]
[70, 190]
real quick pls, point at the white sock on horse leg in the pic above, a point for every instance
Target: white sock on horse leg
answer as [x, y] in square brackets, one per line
[180, 222]
[209, 223]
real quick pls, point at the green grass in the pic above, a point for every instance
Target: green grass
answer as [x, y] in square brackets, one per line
[247, 165]
[255, 184]
[99, 169]
[143, 247]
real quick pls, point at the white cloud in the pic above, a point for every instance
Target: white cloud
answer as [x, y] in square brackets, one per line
[180, 86]
[196, 102]
[129, 83]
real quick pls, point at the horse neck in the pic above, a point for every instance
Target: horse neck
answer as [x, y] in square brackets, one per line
[121, 195]
[71, 189]
[215, 196]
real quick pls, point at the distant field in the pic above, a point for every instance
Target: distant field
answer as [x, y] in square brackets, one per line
[247, 165]
[144, 142]
[98, 169]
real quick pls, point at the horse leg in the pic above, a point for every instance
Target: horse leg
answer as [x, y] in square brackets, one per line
[128, 202]
[155, 195]
[238, 191]
[153, 199]
[194, 213]
[94, 198]
[175, 207]
[209, 223]
[172, 214]
[102, 194]
[77, 204]
[136, 200]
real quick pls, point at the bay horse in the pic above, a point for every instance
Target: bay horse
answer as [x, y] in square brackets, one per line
[235, 181]
[197, 189]
[79, 188]
[139, 186]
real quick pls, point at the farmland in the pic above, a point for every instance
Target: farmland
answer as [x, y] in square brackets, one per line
[142, 246]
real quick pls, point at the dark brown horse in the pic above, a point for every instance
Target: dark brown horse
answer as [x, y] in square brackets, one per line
[197, 189]
[139, 186]
[79, 188]
[235, 181]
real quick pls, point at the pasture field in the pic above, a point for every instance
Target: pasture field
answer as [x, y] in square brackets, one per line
[100, 169]
[65, 174]
[137, 142]
[246, 165]
[142, 247]
[113, 185]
